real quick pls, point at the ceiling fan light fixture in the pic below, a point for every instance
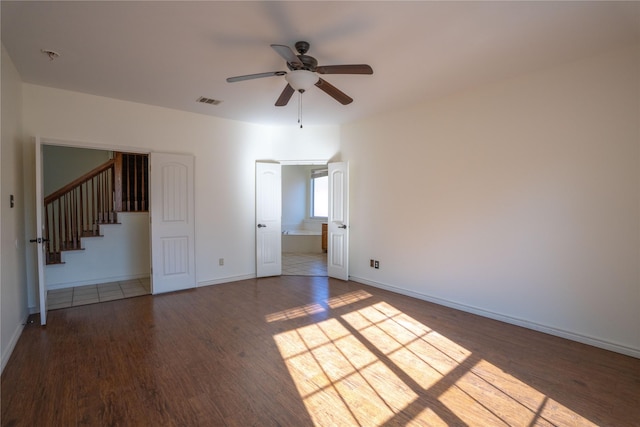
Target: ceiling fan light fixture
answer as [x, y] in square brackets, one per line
[301, 80]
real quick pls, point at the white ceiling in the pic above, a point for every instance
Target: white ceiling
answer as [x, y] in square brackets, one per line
[170, 53]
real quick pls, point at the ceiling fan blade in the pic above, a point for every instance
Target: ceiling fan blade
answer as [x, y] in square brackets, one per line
[285, 96]
[334, 92]
[288, 54]
[345, 69]
[256, 76]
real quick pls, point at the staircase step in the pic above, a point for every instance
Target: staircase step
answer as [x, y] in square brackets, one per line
[108, 218]
[90, 233]
[70, 249]
[54, 258]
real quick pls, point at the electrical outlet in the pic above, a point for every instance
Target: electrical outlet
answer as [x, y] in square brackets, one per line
[376, 264]
[221, 261]
[370, 263]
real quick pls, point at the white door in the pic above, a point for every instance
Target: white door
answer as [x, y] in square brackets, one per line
[338, 221]
[38, 240]
[172, 222]
[268, 217]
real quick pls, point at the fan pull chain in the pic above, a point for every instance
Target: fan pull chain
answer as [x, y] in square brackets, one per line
[300, 108]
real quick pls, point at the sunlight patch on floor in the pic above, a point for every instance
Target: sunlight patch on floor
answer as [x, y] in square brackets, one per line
[296, 312]
[329, 365]
[377, 365]
[315, 308]
[348, 298]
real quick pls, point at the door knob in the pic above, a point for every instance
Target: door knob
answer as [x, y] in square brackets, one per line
[342, 226]
[261, 225]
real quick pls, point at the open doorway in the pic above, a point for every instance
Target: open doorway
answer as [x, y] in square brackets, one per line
[170, 239]
[304, 220]
[96, 225]
[269, 231]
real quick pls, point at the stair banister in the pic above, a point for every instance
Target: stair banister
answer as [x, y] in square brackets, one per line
[77, 209]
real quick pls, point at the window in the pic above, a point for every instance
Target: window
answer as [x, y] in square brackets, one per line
[319, 193]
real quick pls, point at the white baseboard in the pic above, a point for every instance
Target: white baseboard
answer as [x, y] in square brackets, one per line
[226, 280]
[629, 351]
[6, 354]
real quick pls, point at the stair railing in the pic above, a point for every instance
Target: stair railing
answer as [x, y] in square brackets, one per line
[77, 209]
[132, 171]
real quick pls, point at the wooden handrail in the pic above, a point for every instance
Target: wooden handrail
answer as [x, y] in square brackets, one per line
[78, 181]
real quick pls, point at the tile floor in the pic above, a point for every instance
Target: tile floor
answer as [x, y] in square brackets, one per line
[90, 294]
[296, 264]
[293, 264]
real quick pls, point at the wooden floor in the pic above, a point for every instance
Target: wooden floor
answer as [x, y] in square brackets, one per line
[303, 351]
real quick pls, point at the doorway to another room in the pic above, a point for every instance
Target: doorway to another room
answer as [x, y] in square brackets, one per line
[304, 220]
[95, 225]
[269, 219]
[67, 220]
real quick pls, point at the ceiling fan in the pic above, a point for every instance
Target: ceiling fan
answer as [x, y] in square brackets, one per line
[303, 73]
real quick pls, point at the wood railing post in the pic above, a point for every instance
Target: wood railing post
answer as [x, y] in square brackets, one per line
[135, 182]
[117, 183]
[143, 184]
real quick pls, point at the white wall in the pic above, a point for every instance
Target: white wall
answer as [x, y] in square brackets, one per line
[295, 198]
[319, 143]
[520, 201]
[225, 153]
[13, 292]
[61, 165]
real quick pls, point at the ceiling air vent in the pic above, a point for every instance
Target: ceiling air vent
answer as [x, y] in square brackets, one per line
[210, 101]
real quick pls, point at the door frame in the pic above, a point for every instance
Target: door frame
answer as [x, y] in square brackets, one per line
[316, 162]
[39, 141]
